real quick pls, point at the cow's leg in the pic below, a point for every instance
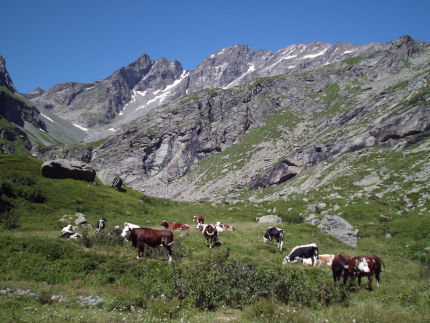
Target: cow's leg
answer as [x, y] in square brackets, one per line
[370, 282]
[169, 251]
[345, 276]
[140, 250]
[377, 277]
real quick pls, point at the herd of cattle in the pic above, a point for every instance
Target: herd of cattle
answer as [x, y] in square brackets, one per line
[343, 267]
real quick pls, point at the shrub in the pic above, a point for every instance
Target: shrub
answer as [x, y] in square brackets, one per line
[103, 238]
[9, 219]
[265, 309]
[292, 218]
[24, 186]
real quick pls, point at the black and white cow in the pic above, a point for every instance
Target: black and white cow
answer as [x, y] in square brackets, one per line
[274, 233]
[303, 252]
[70, 235]
[68, 232]
[101, 224]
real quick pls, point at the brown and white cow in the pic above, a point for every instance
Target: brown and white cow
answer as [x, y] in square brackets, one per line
[131, 225]
[225, 226]
[323, 259]
[210, 233]
[198, 219]
[339, 267]
[365, 266]
[152, 237]
[174, 225]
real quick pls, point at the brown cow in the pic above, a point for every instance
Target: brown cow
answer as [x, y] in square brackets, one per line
[210, 233]
[198, 219]
[174, 225]
[365, 266]
[339, 267]
[153, 238]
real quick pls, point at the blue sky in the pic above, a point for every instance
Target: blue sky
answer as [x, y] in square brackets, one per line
[49, 42]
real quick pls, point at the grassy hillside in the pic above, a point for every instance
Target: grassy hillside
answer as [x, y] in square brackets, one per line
[243, 280]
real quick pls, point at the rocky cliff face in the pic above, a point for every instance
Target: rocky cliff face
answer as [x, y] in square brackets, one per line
[281, 132]
[5, 79]
[13, 107]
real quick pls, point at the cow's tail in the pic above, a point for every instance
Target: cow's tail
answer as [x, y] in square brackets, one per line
[382, 264]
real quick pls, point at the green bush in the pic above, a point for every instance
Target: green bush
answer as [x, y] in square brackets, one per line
[21, 185]
[8, 219]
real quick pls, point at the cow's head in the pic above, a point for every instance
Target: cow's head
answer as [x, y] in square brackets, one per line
[164, 223]
[288, 260]
[68, 228]
[363, 266]
[126, 232]
[200, 226]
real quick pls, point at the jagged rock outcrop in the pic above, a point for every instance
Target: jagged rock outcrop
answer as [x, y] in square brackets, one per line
[62, 168]
[10, 135]
[13, 107]
[5, 79]
[109, 178]
[79, 152]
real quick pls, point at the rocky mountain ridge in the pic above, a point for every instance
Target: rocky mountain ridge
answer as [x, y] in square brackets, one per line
[101, 108]
[281, 133]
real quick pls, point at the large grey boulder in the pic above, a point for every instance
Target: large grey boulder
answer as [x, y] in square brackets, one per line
[108, 178]
[339, 228]
[62, 168]
[80, 218]
[269, 219]
[276, 175]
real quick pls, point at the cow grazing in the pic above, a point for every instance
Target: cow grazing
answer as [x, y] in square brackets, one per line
[274, 233]
[364, 266]
[101, 224]
[174, 225]
[325, 259]
[303, 252]
[339, 267]
[322, 260]
[198, 219]
[225, 226]
[153, 238]
[210, 233]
